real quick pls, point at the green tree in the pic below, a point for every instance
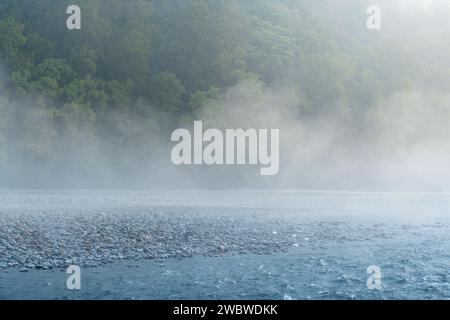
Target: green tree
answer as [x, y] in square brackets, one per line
[11, 40]
[167, 92]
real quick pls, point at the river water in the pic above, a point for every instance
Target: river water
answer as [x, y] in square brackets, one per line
[405, 234]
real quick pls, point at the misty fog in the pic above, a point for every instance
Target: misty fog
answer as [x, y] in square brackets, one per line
[391, 133]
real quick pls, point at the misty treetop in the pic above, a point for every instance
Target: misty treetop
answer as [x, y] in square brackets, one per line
[138, 68]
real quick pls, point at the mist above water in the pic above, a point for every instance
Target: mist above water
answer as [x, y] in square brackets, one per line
[399, 143]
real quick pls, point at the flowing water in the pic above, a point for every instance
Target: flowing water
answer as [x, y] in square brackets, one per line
[336, 236]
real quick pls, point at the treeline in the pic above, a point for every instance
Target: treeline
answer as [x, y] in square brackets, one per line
[143, 66]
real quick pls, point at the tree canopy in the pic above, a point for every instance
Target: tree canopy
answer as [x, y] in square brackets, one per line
[151, 64]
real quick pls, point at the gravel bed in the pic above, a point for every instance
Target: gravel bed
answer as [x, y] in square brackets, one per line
[50, 240]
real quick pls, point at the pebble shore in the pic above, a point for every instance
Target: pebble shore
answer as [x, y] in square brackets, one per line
[49, 240]
[49, 229]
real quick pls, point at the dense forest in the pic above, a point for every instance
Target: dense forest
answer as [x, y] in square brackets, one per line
[139, 68]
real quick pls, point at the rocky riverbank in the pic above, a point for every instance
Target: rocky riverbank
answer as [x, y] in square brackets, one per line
[49, 240]
[49, 229]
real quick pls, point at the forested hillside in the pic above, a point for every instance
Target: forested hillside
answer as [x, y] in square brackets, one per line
[139, 68]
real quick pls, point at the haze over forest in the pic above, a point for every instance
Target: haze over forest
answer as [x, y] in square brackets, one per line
[357, 109]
